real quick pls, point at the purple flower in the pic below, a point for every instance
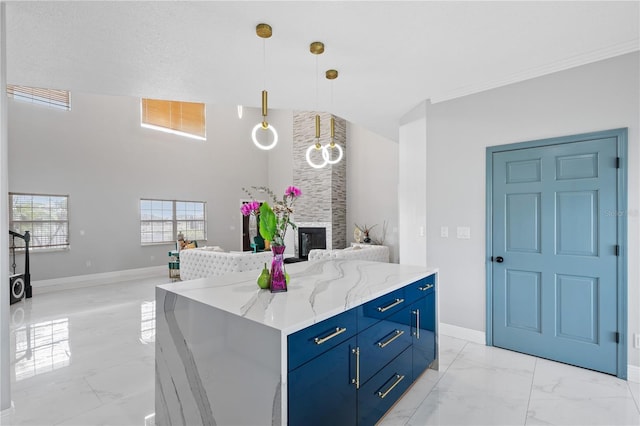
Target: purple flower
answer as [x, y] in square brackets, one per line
[249, 208]
[292, 191]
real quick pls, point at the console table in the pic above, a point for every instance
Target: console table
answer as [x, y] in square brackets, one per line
[340, 347]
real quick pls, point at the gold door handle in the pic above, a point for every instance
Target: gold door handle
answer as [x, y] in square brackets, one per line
[356, 381]
[391, 305]
[321, 340]
[427, 287]
[399, 378]
[396, 334]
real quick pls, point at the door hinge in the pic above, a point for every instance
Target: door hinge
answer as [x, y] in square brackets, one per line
[617, 162]
[617, 250]
[617, 337]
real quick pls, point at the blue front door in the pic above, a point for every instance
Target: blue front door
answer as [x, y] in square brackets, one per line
[554, 290]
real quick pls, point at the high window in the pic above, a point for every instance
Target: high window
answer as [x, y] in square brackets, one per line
[181, 118]
[46, 217]
[162, 220]
[50, 97]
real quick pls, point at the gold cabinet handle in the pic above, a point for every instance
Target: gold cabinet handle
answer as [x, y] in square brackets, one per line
[417, 314]
[427, 287]
[321, 340]
[391, 305]
[396, 334]
[356, 381]
[399, 378]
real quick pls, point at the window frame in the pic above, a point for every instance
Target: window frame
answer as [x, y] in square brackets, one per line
[32, 245]
[174, 221]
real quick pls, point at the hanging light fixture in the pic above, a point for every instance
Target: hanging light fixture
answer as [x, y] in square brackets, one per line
[327, 149]
[317, 48]
[264, 31]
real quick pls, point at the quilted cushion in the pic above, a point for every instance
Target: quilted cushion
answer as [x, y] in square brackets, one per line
[198, 263]
[360, 252]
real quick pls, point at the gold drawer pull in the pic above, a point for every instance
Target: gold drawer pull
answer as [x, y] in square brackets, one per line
[427, 287]
[321, 340]
[356, 381]
[386, 308]
[399, 378]
[396, 334]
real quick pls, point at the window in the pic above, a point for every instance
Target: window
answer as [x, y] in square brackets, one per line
[46, 217]
[162, 220]
[181, 118]
[50, 97]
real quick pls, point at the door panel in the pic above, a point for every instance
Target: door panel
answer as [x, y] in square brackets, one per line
[554, 295]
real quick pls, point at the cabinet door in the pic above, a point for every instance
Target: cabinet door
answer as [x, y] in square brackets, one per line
[423, 330]
[321, 391]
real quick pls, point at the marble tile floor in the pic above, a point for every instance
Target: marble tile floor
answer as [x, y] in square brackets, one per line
[86, 357]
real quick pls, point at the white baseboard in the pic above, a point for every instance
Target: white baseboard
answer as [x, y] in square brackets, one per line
[5, 415]
[633, 373]
[474, 336]
[79, 281]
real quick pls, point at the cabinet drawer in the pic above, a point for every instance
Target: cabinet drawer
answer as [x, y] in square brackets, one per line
[312, 341]
[383, 342]
[384, 389]
[420, 288]
[380, 308]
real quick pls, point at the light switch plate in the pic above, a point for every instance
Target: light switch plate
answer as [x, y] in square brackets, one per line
[463, 232]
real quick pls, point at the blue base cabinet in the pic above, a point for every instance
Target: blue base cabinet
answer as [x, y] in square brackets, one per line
[322, 390]
[351, 368]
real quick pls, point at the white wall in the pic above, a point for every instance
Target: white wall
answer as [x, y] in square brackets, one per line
[280, 165]
[599, 96]
[372, 185]
[5, 396]
[412, 197]
[98, 154]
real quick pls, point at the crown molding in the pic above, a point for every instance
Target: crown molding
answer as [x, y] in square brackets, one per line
[571, 62]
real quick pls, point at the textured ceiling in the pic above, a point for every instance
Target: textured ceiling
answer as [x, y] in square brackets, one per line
[390, 55]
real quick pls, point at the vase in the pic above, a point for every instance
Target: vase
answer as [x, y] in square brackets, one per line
[278, 278]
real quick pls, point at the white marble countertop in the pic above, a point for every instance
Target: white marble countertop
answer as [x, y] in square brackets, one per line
[317, 290]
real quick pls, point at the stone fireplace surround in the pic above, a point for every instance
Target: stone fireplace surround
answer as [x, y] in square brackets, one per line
[324, 200]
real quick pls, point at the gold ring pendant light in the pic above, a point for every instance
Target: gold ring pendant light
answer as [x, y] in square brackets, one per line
[264, 31]
[316, 48]
[326, 152]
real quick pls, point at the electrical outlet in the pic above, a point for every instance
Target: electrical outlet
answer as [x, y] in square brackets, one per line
[636, 341]
[444, 231]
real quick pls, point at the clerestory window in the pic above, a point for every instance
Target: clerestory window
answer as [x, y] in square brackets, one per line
[181, 118]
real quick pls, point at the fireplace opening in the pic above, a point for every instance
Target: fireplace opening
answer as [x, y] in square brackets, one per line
[309, 239]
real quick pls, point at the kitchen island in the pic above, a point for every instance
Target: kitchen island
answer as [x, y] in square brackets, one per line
[230, 353]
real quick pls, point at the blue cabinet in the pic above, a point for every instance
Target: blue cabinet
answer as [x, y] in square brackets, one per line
[351, 368]
[321, 391]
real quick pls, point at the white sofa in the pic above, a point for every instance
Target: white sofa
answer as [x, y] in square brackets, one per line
[207, 262]
[356, 251]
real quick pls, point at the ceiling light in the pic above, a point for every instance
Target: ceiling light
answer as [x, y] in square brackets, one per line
[264, 31]
[332, 75]
[317, 48]
[317, 147]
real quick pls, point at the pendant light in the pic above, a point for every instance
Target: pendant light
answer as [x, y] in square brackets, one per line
[264, 31]
[316, 48]
[328, 149]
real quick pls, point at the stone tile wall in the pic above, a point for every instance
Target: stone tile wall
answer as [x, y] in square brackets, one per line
[324, 190]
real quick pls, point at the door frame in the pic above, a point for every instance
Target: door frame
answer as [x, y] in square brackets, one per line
[621, 285]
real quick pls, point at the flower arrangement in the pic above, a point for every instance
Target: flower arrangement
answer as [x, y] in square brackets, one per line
[274, 220]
